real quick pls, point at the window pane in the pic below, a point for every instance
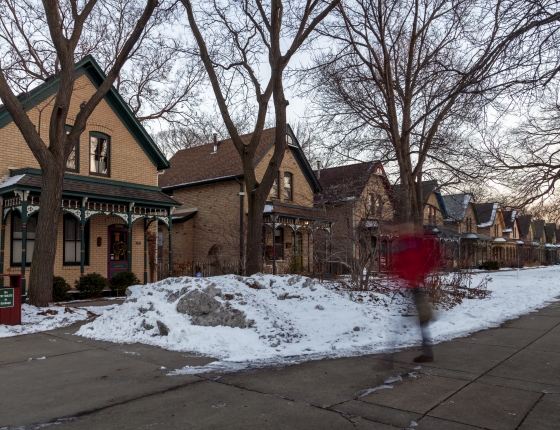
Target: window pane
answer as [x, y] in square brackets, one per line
[29, 250]
[287, 186]
[16, 251]
[69, 252]
[71, 162]
[69, 228]
[99, 156]
[274, 190]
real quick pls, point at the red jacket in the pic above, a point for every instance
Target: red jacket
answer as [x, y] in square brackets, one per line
[414, 257]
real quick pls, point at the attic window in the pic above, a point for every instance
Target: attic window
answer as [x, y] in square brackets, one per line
[288, 186]
[274, 191]
[288, 139]
[379, 171]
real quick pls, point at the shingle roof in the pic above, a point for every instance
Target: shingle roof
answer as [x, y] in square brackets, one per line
[539, 228]
[98, 190]
[524, 222]
[486, 213]
[509, 219]
[293, 211]
[550, 231]
[456, 206]
[345, 182]
[428, 187]
[201, 163]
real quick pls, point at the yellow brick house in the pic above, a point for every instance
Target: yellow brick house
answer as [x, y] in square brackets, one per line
[110, 195]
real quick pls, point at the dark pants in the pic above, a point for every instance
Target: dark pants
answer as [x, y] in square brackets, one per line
[424, 316]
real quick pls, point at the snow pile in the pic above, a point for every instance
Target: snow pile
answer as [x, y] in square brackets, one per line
[283, 316]
[34, 320]
[288, 319]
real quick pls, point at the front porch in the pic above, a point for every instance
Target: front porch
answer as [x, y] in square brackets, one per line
[98, 230]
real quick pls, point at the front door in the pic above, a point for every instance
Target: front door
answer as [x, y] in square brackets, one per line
[117, 251]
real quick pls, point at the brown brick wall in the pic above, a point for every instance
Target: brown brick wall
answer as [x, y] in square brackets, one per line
[128, 161]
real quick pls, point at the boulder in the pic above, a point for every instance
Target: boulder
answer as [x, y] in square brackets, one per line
[205, 310]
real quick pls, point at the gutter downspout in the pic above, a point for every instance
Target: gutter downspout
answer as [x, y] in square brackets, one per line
[241, 206]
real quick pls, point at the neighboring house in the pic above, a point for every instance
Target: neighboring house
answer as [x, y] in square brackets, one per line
[539, 231]
[432, 203]
[526, 228]
[460, 213]
[551, 240]
[492, 224]
[109, 194]
[512, 225]
[359, 198]
[208, 181]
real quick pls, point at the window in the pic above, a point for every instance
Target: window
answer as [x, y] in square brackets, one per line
[379, 206]
[496, 230]
[288, 186]
[72, 241]
[99, 154]
[73, 162]
[288, 139]
[274, 191]
[279, 244]
[17, 239]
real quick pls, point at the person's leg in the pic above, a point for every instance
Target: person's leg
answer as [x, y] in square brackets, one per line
[424, 316]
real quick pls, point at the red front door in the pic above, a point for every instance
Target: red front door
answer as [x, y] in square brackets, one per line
[117, 251]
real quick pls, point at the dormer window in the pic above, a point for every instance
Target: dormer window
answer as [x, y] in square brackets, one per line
[99, 155]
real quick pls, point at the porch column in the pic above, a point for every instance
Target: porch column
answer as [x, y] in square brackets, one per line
[129, 244]
[2, 240]
[145, 251]
[23, 242]
[82, 238]
[295, 248]
[330, 249]
[170, 244]
[308, 252]
[274, 245]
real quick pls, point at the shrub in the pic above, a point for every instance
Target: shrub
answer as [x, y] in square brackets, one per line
[121, 281]
[60, 289]
[91, 285]
[490, 265]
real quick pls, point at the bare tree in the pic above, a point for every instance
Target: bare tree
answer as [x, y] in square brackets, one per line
[37, 52]
[234, 39]
[404, 78]
[526, 158]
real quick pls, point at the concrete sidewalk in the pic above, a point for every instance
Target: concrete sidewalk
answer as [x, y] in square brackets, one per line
[504, 378]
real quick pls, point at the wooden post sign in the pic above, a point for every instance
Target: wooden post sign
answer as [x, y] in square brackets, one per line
[6, 298]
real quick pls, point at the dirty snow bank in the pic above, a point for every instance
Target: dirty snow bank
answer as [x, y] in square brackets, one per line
[292, 318]
[35, 319]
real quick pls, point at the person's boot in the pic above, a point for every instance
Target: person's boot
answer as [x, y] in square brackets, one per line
[423, 359]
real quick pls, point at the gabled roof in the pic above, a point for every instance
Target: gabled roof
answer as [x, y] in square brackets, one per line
[428, 187]
[487, 213]
[550, 231]
[345, 183]
[509, 220]
[91, 69]
[539, 228]
[524, 222]
[201, 165]
[456, 206]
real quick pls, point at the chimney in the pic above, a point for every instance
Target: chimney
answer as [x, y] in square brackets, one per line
[215, 142]
[318, 169]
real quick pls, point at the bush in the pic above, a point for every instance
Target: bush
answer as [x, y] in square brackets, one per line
[91, 285]
[490, 265]
[121, 281]
[60, 289]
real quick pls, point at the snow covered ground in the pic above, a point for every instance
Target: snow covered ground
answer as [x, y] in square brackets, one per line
[292, 319]
[35, 319]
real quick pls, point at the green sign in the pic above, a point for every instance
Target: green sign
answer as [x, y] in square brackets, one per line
[6, 298]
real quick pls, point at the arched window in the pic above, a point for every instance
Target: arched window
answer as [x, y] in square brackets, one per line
[99, 154]
[274, 193]
[288, 186]
[17, 239]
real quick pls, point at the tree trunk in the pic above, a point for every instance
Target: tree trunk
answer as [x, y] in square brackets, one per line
[253, 253]
[44, 252]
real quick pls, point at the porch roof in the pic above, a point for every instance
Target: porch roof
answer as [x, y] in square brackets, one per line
[83, 186]
[294, 211]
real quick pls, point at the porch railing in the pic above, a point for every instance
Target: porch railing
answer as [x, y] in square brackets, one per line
[207, 268]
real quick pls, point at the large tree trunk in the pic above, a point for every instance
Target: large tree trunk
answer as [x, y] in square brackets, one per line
[253, 248]
[44, 253]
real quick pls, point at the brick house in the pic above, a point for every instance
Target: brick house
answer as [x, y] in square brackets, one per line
[110, 194]
[359, 198]
[208, 181]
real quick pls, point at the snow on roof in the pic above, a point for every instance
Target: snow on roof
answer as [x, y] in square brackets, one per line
[490, 222]
[11, 181]
[456, 206]
[500, 239]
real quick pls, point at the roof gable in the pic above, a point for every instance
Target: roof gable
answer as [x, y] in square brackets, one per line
[89, 67]
[456, 206]
[201, 164]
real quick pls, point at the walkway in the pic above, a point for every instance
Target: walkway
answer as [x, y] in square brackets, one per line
[504, 378]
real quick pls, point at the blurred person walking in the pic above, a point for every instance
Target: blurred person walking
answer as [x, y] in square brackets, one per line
[415, 256]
